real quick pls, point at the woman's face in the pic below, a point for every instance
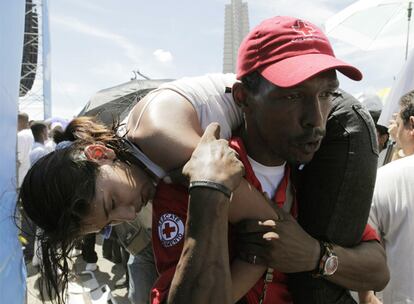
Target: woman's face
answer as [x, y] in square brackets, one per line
[120, 193]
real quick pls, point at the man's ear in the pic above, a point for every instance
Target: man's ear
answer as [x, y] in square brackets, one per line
[240, 95]
[411, 125]
[99, 153]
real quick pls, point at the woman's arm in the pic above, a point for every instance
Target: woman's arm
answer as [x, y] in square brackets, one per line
[168, 131]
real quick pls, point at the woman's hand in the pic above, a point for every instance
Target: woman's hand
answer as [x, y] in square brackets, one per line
[280, 244]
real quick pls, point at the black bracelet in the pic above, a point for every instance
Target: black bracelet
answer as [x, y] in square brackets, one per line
[212, 185]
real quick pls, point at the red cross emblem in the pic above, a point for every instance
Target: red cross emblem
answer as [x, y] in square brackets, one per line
[168, 230]
[303, 28]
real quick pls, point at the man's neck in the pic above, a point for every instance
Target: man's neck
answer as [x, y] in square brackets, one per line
[257, 150]
[408, 150]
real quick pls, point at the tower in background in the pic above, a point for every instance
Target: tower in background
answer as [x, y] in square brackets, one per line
[236, 27]
[35, 81]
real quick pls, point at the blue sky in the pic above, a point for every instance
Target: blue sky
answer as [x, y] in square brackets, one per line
[96, 44]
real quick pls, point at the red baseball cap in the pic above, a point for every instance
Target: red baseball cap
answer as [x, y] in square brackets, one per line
[287, 51]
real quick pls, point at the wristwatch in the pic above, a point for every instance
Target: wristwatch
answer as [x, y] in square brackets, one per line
[328, 264]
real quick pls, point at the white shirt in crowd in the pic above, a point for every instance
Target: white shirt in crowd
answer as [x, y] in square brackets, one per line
[50, 145]
[392, 214]
[38, 151]
[24, 146]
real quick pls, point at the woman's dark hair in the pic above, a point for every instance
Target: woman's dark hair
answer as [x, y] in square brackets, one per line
[56, 193]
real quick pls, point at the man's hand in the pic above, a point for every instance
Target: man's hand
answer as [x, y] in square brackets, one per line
[282, 244]
[213, 160]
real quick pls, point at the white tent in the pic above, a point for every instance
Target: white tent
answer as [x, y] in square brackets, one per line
[403, 84]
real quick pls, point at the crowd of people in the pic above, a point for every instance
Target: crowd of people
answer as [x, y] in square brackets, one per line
[261, 183]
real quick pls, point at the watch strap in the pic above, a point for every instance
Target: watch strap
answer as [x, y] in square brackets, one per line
[326, 252]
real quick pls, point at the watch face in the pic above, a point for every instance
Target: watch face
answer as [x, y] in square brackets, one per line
[331, 265]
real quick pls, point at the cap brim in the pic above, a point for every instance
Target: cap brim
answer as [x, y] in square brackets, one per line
[294, 70]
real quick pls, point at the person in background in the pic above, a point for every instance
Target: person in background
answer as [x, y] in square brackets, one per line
[382, 137]
[39, 131]
[24, 146]
[55, 127]
[374, 105]
[40, 136]
[392, 211]
[396, 152]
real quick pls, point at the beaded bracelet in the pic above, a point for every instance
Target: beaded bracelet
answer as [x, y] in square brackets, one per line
[212, 185]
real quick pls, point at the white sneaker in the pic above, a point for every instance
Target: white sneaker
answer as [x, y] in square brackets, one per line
[91, 267]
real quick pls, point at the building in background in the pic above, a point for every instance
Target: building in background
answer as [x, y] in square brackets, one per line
[236, 27]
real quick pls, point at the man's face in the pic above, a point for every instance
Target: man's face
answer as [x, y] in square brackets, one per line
[288, 124]
[404, 139]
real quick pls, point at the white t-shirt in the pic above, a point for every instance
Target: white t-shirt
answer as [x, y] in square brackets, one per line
[24, 146]
[392, 214]
[50, 145]
[38, 151]
[210, 99]
[269, 177]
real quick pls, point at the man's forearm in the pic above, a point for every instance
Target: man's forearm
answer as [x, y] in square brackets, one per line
[362, 267]
[203, 272]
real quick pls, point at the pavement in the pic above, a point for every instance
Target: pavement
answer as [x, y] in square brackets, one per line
[107, 273]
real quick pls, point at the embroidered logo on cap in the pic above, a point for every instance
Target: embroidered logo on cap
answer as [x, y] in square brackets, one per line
[303, 28]
[170, 229]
